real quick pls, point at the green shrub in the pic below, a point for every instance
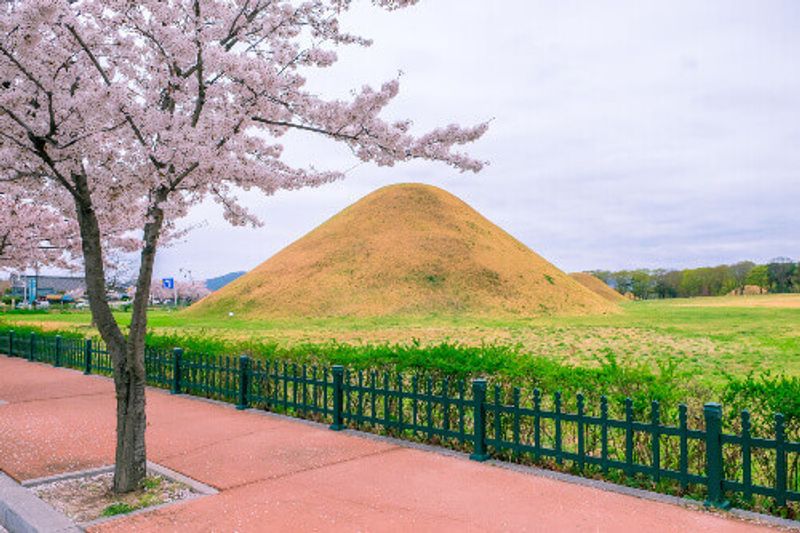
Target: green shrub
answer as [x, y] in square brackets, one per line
[764, 395]
[500, 363]
[21, 331]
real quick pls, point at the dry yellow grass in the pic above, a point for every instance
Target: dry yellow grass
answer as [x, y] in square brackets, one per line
[597, 286]
[748, 290]
[775, 301]
[404, 250]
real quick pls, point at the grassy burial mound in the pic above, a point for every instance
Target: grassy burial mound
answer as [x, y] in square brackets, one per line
[403, 250]
[747, 290]
[598, 286]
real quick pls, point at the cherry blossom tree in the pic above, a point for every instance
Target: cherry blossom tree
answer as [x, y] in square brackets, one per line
[116, 117]
[191, 291]
[33, 235]
[187, 291]
[158, 293]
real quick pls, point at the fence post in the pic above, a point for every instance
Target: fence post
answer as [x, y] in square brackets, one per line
[747, 465]
[537, 424]
[558, 444]
[655, 436]
[684, 446]
[780, 460]
[479, 407]
[177, 355]
[32, 348]
[57, 361]
[87, 357]
[713, 416]
[338, 398]
[11, 343]
[628, 437]
[581, 434]
[244, 382]
[604, 433]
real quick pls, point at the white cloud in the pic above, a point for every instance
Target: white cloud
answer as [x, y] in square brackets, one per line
[625, 133]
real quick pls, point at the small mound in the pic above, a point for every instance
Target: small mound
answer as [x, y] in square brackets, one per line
[747, 290]
[408, 249]
[771, 301]
[598, 286]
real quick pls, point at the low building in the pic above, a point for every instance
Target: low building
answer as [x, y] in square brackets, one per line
[23, 286]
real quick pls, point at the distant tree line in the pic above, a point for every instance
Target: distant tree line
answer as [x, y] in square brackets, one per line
[780, 275]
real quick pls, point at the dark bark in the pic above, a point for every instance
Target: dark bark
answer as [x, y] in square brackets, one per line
[94, 272]
[130, 466]
[131, 458]
[127, 354]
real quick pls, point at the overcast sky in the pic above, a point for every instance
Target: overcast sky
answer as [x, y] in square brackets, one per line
[624, 134]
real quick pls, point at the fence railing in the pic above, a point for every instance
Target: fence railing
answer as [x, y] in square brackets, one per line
[489, 422]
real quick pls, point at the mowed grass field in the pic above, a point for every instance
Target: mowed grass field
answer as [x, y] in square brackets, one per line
[706, 337]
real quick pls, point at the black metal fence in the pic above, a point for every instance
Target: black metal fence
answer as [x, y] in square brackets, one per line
[494, 421]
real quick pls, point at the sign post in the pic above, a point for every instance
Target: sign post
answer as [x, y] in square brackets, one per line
[32, 288]
[169, 283]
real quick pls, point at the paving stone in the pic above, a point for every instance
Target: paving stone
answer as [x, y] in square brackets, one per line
[292, 475]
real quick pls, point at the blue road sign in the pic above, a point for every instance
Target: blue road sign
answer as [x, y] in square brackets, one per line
[168, 283]
[32, 288]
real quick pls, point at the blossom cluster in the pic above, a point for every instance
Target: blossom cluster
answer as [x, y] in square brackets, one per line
[132, 112]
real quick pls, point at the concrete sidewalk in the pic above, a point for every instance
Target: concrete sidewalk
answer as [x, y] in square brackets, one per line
[275, 474]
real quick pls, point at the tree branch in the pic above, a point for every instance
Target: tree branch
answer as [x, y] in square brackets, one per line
[137, 132]
[333, 134]
[89, 53]
[201, 87]
[22, 69]
[95, 270]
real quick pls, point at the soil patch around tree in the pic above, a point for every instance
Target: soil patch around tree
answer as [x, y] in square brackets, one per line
[90, 498]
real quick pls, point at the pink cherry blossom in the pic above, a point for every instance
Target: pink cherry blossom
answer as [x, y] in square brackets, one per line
[116, 117]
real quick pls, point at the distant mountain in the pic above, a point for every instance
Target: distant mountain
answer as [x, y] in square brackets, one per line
[214, 284]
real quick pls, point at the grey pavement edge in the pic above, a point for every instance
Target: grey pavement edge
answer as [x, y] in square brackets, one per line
[22, 512]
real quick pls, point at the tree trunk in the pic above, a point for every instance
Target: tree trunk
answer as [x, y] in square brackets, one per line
[127, 354]
[131, 458]
[130, 465]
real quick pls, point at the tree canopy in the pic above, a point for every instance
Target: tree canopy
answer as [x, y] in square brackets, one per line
[779, 275]
[116, 117]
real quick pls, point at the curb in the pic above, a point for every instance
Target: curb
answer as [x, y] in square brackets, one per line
[22, 512]
[200, 489]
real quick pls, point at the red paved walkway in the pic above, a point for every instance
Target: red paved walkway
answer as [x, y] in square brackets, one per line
[278, 475]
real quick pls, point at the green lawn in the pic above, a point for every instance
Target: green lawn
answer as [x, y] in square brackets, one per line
[706, 337]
